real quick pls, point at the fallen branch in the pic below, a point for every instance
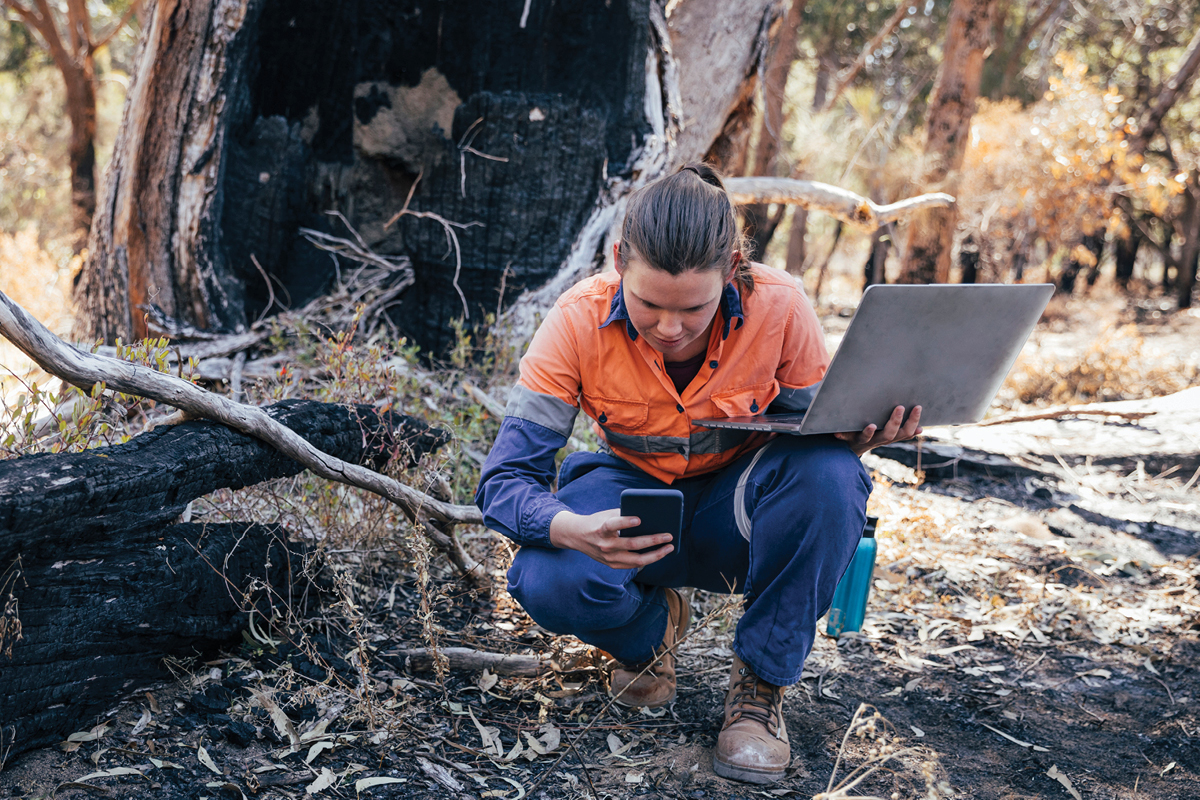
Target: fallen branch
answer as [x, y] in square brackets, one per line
[1063, 413]
[464, 659]
[837, 202]
[85, 370]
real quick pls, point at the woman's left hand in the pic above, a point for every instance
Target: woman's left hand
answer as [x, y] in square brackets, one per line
[896, 429]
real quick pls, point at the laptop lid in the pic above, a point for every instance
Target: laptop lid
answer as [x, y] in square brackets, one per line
[946, 348]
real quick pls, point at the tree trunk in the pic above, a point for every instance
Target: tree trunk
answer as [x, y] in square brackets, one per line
[81, 149]
[1126, 256]
[102, 584]
[931, 233]
[1093, 243]
[797, 250]
[968, 260]
[1185, 280]
[249, 119]
[71, 49]
[881, 242]
[759, 222]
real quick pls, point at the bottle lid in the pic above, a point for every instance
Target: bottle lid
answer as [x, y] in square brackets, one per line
[869, 530]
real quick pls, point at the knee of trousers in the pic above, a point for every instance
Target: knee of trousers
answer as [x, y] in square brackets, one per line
[826, 470]
[566, 597]
[808, 488]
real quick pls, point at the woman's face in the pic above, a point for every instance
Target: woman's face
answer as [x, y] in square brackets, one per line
[673, 312]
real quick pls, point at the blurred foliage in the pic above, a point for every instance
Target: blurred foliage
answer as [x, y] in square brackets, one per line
[1056, 166]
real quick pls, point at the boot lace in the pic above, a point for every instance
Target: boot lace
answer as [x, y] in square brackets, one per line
[756, 700]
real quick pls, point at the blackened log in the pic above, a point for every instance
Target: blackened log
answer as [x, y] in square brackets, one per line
[96, 583]
[49, 503]
[97, 621]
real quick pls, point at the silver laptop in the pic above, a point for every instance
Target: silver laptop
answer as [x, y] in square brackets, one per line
[946, 348]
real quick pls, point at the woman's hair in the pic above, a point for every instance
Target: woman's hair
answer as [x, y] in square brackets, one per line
[685, 222]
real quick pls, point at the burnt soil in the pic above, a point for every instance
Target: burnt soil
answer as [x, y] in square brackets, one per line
[1001, 604]
[1033, 637]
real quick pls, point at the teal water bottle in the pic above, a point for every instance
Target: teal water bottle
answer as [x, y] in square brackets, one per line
[850, 598]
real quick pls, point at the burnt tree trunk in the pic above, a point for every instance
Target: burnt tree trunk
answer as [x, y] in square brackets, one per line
[97, 583]
[931, 232]
[249, 119]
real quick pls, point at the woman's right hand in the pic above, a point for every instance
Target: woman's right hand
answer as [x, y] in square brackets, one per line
[599, 537]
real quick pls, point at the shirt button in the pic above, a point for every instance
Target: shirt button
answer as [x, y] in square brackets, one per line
[603, 419]
[679, 408]
[712, 364]
[753, 406]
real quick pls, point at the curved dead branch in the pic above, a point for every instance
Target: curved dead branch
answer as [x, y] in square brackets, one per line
[835, 201]
[85, 370]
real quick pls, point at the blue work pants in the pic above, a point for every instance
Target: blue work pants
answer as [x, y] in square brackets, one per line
[779, 525]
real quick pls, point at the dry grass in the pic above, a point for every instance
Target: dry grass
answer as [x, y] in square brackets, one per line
[39, 283]
[1117, 366]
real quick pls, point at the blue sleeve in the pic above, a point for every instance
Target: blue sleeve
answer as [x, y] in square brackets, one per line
[514, 486]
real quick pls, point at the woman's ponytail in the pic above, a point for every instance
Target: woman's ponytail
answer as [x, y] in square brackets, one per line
[686, 222]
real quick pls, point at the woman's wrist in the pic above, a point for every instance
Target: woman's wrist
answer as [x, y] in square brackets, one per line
[561, 528]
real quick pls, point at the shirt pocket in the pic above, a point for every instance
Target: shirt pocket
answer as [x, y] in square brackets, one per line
[617, 414]
[745, 401]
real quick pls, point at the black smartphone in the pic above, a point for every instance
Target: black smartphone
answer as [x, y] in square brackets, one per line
[660, 510]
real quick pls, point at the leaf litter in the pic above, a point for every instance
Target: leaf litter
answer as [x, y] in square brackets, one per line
[998, 608]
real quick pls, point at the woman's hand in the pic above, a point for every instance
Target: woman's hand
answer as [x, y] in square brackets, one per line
[599, 536]
[893, 431]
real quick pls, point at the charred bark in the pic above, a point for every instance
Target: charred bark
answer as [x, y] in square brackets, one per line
[249, 119]
[96, 623]
[48, 503]
[97, 582]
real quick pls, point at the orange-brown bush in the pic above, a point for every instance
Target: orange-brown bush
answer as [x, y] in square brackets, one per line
[1057, 167]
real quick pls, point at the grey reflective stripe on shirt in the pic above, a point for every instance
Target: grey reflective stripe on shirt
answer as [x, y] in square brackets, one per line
[709, 441]
[796, 399]
[739, 494]
[648, 444]
[703, 441]
[541, 409]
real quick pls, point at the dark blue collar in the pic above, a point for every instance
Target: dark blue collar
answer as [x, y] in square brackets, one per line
[731, 308]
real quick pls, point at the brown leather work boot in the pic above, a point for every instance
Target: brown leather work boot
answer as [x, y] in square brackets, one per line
[753, 744]
[652, 683]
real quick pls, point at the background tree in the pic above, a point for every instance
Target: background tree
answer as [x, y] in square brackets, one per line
[66, 32]
[931, 233]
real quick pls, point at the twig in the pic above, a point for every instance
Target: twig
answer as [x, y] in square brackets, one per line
[270, 289]
[1163, 683]
[451, 236]
[1030, 666]
[466, 659]
[1191, 480]
[1062, 413]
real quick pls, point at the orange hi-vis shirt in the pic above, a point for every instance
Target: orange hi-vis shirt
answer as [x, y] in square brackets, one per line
[765, 347]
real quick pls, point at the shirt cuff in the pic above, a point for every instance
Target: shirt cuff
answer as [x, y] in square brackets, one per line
[536, 519]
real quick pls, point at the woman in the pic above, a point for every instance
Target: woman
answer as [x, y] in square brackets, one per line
[684, 329]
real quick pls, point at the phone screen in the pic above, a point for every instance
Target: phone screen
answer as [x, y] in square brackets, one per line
[660, 510]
